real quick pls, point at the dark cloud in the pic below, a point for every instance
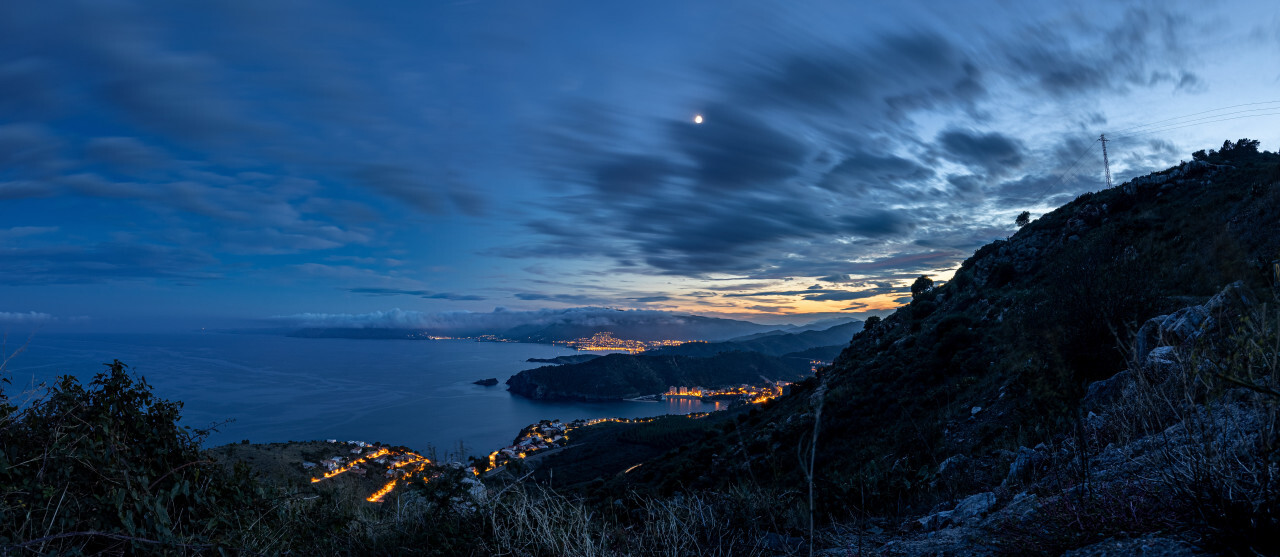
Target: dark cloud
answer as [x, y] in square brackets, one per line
[565, 298]
[824, 295]
[388, 292]
[917, 70]
[289, 131]
[878, 223]
[861, 171]
[401, 183]
[27, 89]
[455, 297]
[633, 174]
[650, 299]
[810, 152]
[427, 294]
[1068, 59]
[841, 296]
[771, 309]
[993, 152]
[103, 262]
[737, 287]
[14, 233]
[736, 150]
[19, 189]
[173, 93]
[29, 151]
[966, 184]
[1191, 83]
[763, 293]
[908, 263]
[125, 154]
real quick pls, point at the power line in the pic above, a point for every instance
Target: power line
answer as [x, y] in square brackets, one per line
[1126, 130]
[1175, 127]
[1168, 124]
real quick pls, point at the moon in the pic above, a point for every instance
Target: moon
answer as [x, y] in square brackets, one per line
[697, 118]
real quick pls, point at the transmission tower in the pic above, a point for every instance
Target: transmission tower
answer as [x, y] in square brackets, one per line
[1106, 164]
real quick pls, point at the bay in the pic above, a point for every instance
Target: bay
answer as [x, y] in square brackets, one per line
[417, 393]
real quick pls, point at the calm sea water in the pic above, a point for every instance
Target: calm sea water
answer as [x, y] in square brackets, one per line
[417, 393]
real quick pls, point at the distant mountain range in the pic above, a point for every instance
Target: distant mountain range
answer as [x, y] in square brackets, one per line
[646, 326]
[773, 343]
[581, 323]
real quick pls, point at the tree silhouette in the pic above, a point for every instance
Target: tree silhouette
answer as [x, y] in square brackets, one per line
[921, 286]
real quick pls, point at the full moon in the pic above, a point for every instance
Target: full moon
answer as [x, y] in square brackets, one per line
[697, 119]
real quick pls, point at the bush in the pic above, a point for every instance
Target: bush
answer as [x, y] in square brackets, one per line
[105, 468]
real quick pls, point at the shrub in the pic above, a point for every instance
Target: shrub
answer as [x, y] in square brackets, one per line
[106, 468]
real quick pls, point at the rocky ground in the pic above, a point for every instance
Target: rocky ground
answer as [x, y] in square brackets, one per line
[1149, 438]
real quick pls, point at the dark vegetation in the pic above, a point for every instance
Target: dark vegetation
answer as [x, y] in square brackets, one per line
[620, 376]
[571, 359]
[942, 399]
[999, 356]
[104, 467]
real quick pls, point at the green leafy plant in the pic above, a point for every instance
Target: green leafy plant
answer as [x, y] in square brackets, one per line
[105, 467]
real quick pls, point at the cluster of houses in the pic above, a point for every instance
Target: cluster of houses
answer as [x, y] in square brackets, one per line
[746, 393]
[366, 454]
[549, 434]
[540, 436]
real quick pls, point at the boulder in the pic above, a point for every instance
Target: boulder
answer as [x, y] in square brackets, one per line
[1231, 303]
[969, 509]
[1103, 393]
[779, 543]
[1160, 364]
[952, 464]
[1148, 337]
[935, 521]
[1023, 464]
[972, 507]
[1185, 325]
[1150, 545]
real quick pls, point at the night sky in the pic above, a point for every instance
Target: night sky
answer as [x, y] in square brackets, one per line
[175, 165]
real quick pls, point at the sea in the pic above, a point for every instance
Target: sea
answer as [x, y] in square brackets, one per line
[274, 388]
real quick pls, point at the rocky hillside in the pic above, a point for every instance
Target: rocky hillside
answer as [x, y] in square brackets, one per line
[999, 358]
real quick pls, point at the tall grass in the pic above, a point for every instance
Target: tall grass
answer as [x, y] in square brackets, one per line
[536, 521]
[1206, 429]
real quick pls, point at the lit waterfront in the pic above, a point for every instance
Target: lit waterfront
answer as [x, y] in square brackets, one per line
[605, 342]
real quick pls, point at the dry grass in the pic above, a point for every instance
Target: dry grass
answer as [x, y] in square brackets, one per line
[1205, 428]
[534, 521]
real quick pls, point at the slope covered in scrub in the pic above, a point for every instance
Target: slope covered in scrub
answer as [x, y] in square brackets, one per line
[1000, 356]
